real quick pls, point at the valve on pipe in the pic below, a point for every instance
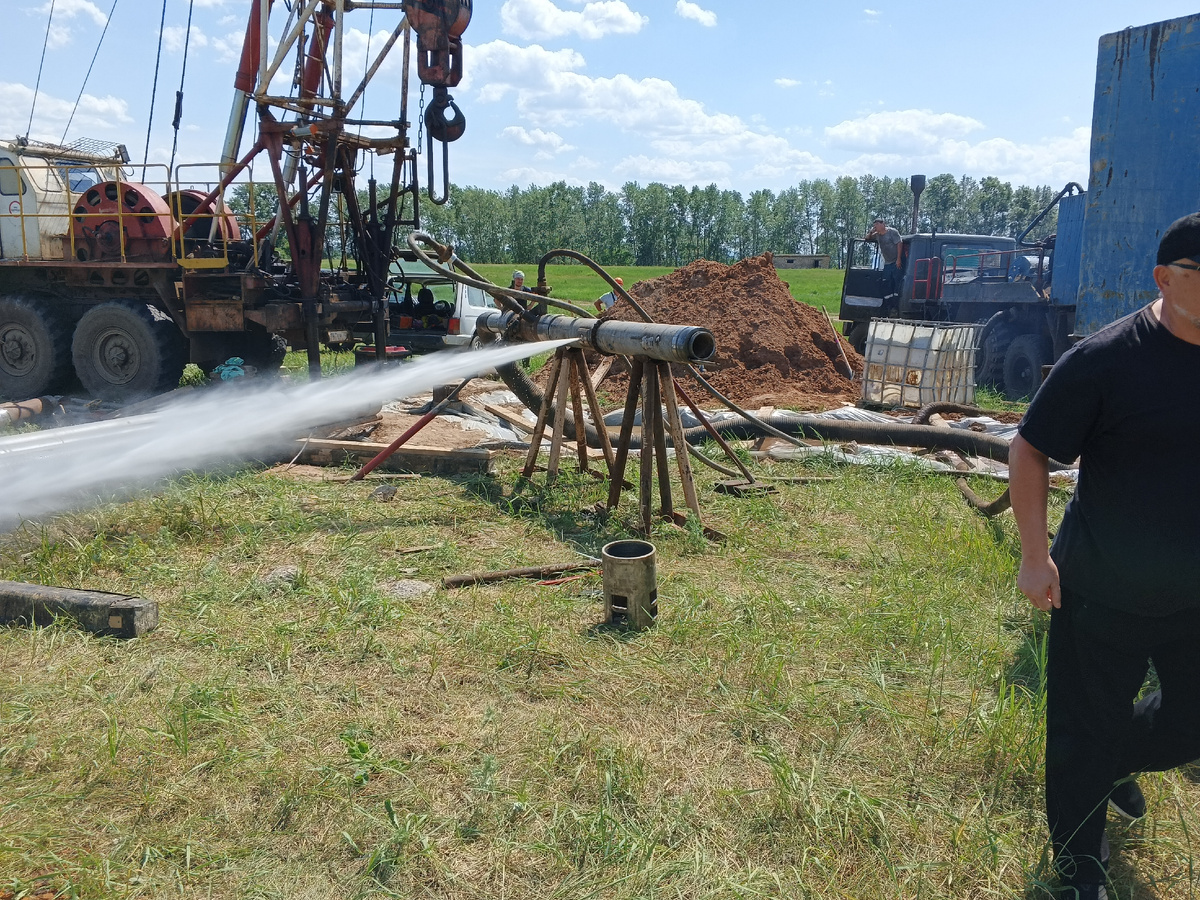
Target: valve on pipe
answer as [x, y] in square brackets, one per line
[671, 343]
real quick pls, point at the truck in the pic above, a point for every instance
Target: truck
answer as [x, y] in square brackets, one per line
[1035, 299]
[115, 275]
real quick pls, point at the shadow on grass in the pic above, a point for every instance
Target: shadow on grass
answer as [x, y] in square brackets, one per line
[571, 508]
[1027, 669]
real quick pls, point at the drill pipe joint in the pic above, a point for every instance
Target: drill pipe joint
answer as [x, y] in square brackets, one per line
[672, 343]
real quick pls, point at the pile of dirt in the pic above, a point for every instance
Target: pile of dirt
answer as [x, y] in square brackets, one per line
[771, 350]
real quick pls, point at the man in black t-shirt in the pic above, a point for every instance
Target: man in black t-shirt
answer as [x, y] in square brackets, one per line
[1122, 580]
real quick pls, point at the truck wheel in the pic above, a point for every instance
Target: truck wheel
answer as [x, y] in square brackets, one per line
[1023, 365]
[857, 337]
[35, 349]
[265, 352]
[127, 350]
[994, 341]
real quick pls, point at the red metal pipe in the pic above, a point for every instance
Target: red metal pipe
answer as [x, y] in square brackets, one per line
[403, 439]
[312, 182]
[221, 185]
[247, 73]
[314, 64]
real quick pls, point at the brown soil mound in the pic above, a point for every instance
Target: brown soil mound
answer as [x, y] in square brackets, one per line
[771, 350]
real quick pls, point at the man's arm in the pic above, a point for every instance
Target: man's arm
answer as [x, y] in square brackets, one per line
[1029, 487]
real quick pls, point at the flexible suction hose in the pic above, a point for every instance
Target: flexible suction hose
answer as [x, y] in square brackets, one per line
[796, 425]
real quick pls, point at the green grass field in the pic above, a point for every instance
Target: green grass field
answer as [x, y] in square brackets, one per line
[843, 700]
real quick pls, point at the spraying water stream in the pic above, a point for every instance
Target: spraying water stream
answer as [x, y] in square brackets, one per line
[51, 471]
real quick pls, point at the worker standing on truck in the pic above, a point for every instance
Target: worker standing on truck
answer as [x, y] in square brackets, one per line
[887, 239]
[1122, 580]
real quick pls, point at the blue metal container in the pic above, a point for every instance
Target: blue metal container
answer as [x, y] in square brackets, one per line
[1145, 164]
[1068, 246]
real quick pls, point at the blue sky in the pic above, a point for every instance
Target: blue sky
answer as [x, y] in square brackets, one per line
[745, 94]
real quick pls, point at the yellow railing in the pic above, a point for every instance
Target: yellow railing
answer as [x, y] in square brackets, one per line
[45, 195]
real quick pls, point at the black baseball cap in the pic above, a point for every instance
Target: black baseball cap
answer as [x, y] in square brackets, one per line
[1181, 240]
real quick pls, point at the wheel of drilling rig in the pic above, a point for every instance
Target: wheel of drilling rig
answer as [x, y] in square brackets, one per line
[858, 337]
[994, 340]
[265, 352]
[1023, 365]
[127, 350]
[35, 349]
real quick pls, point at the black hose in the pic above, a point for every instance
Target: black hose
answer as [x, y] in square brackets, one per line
[447, 254]
[929, 410]
[796, 425]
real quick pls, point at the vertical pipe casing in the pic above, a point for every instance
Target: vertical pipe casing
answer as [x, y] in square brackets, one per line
[630, 579]
[263, 45]
[340, 29]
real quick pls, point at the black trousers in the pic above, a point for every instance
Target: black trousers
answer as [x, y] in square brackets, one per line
[1097, 661]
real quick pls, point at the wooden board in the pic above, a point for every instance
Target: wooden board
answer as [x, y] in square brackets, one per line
[512, 418]
[409, 458]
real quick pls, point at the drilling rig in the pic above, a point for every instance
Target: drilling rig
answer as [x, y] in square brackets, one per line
[117, 275]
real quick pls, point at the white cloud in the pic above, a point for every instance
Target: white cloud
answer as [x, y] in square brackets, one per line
[58, 36]
[1052, 160]
[175, 35]
[530, 175]
[69, 9]
[672, 171]
[229, 46]
[548, 143]
[911, 131]
[872, 12]
[684, 136]
[96, 116]
[787, 82]
[688, 10]
[59, 32]
[541, 19]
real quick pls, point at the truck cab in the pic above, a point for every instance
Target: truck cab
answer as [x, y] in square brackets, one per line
[991, 280]
[39, 184]
[943, 277]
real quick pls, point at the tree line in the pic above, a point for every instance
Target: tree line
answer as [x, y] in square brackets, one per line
[661, 225]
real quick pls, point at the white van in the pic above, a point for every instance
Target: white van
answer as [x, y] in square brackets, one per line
[428, 312]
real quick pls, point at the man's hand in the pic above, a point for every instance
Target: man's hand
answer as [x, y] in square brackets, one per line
[1028, 485]
[1039, 582]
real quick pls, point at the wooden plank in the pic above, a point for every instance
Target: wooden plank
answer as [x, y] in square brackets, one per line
[516, 420]
[99, 612]
[601, 372]
[560, 412]
[535, 443]
[409, 458]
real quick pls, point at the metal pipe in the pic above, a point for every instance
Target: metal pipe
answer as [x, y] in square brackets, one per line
[917, 185]
[362, 87]
[395, 445]
[340, 32]
[672, 343]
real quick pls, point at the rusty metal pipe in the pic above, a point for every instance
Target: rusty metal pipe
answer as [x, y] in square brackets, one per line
[671, 343]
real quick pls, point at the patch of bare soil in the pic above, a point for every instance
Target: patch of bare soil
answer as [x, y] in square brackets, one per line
[771, 350]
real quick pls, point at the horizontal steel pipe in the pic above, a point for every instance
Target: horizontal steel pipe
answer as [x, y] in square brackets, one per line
[672, 343]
